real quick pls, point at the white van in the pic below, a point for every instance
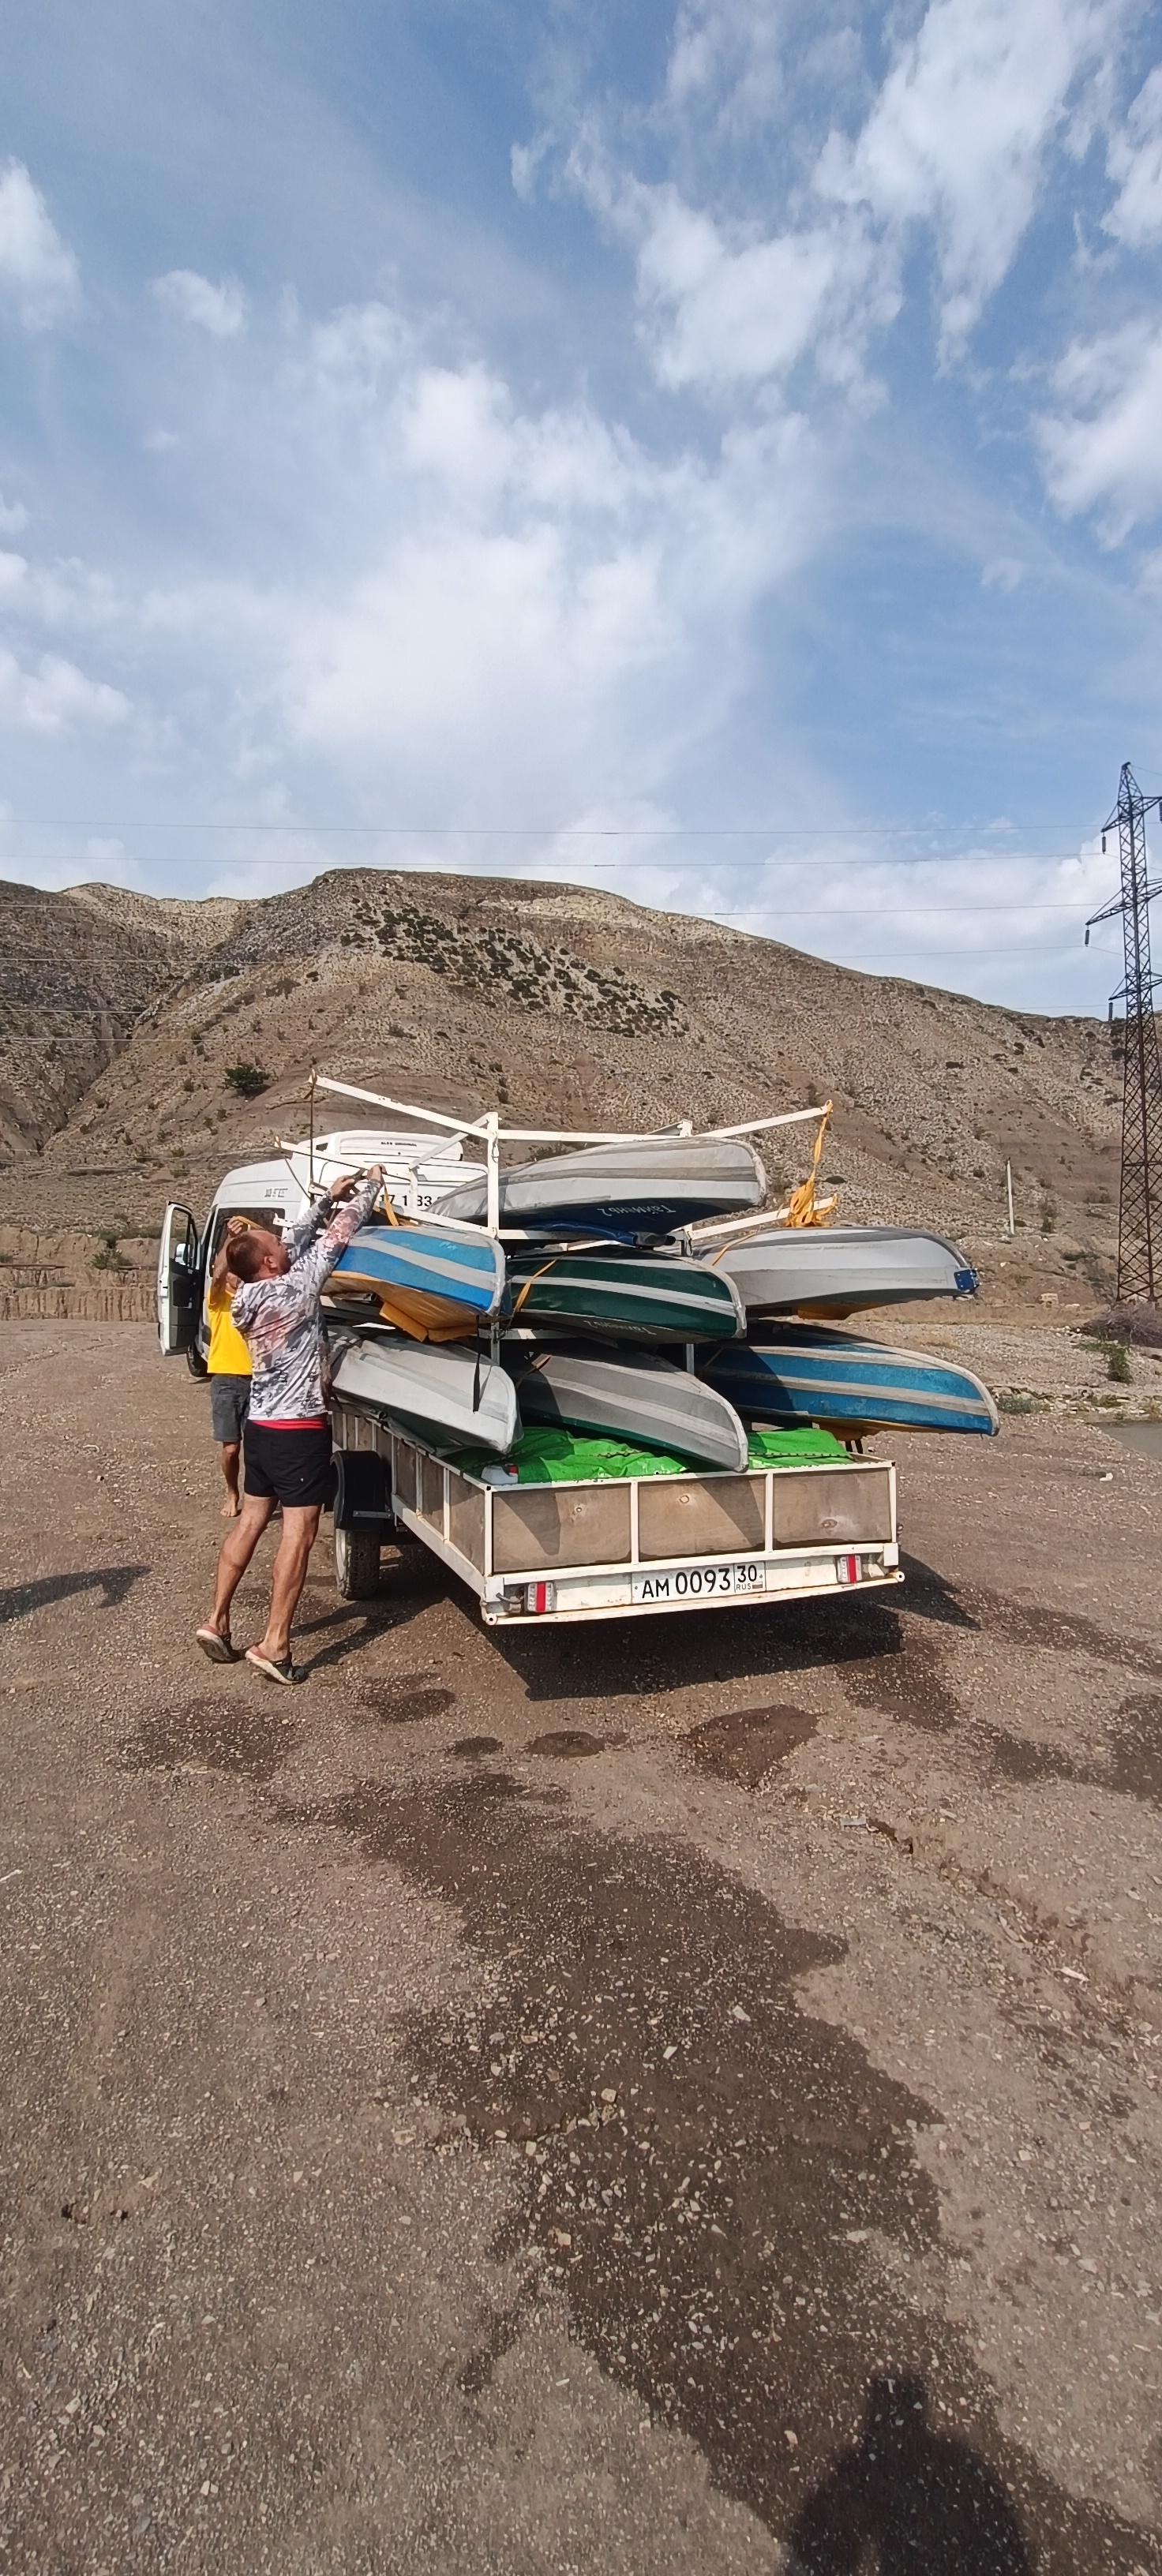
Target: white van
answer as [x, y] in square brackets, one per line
[418, 1172]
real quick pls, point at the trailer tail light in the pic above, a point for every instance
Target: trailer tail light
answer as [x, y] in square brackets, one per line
[538, 1596]
[847, 1569]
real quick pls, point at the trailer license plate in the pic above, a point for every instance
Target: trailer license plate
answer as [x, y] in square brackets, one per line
[700, 1582]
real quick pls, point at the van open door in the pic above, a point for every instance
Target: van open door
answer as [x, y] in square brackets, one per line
[179, 1279]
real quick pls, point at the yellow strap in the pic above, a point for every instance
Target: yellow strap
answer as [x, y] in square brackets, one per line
[802, 1207]
[531, 1282]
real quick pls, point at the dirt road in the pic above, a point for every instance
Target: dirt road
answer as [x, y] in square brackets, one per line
[668, 2099]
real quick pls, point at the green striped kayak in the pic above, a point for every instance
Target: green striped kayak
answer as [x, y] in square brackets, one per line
[637, 1297]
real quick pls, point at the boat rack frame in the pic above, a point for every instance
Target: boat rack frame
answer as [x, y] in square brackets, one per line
[602, 1549]
[491, 1135]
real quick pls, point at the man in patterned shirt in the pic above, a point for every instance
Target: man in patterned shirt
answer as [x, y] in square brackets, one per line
[287, 1442]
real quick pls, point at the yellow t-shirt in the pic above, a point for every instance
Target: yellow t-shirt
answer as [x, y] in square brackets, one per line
[229, 1356]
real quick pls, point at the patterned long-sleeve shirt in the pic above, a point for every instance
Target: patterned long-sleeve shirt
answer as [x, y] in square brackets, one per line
[280, 1319]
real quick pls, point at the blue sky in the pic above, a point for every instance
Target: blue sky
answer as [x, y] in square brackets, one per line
[710, 450]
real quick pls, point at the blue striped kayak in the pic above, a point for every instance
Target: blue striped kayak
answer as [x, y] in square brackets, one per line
[811, 1373]
[433, 1282]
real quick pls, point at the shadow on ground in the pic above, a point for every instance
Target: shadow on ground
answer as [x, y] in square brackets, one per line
[615, 1659]
[113, 1582]
[925, 2503]
[719, 2185]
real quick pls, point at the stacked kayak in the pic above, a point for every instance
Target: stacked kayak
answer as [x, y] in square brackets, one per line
[645, 1400]
[837, 1270]
[434, 1283]
[569, 1323]
[636, 1297]
[444, 1392]
[805, 1372]
[637, 1192]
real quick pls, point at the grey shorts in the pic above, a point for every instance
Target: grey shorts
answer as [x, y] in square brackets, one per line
[229, 1406]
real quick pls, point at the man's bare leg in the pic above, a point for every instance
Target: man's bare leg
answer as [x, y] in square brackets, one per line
[299, 1532]
[234, 1556]
[231, 1455]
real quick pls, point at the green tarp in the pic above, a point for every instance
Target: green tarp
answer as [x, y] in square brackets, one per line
[548, 1455]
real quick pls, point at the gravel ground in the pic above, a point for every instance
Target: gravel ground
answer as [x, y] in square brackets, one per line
[678, 2098]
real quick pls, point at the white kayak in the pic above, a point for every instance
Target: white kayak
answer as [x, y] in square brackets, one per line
[634, 1399]
[445, 1391]
[635, 1192]
[839, 1269]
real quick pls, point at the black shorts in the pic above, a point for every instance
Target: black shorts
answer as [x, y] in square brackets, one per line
[293, 1467]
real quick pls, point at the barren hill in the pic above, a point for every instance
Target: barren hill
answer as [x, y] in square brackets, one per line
[120, 1015]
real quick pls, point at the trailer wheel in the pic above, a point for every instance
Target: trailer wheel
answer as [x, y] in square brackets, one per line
[195, 1361]
[357, 1563]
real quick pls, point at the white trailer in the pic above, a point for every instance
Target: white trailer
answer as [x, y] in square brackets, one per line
[635, 1547]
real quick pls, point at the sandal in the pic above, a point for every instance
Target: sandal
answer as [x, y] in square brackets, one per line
[284, 1672]
[216, 1646]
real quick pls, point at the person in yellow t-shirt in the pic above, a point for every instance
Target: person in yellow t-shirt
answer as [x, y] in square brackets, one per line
[228, 1367]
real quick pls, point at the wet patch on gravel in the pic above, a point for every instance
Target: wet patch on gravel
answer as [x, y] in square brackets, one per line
[1136, 1750]
[476, 1748]
[749, 1743]
[1134, 1768]
[233, 1735]
[399, 1705]
[908, 1685]
[572, 1744]
[707, 2169]
[1059, 1632]
[1022, 1762]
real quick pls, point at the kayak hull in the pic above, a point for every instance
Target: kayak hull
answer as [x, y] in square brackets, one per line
[839, 1270]
[465, 1271]
[630, 1297]
[812, 1373]
[633, 1399]
[445, 1393]
[634, 1192]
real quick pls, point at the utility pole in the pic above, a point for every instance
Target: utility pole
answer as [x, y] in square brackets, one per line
[1140, 1200]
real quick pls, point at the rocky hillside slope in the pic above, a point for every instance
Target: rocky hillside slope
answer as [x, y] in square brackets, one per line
[120, 1017]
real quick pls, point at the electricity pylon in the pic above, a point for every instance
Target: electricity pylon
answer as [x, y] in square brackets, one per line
[1140, 1200]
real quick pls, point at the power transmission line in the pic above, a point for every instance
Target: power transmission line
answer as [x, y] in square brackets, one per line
[1140, 1209]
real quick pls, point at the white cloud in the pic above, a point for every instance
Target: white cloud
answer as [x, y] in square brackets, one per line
[489, 609]
[38, 271]
[13, 517]
[728, 52]
[221, 310]
[540, 612]
[1102, 450]
[750, 309]
[1004, 573]
[723, 305]
[956, 140]
[958, 134]
[1135, 157]
[55, 697]
[524, 162]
